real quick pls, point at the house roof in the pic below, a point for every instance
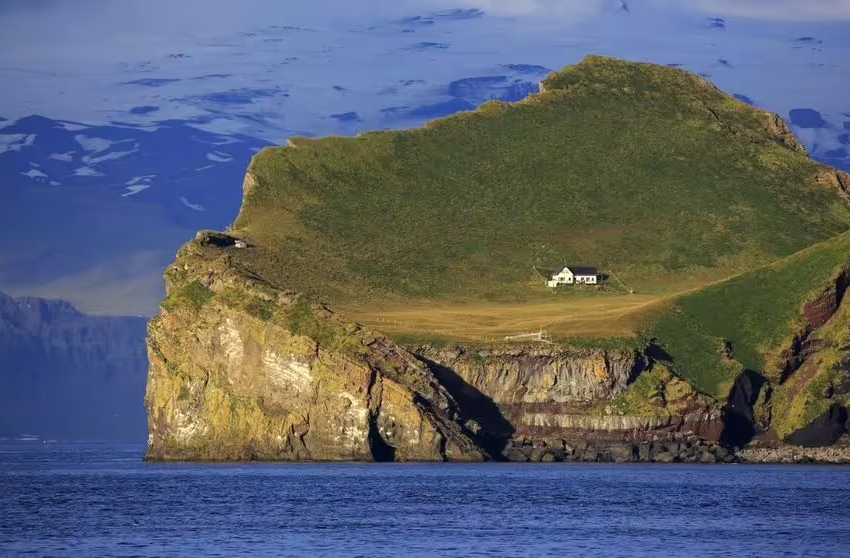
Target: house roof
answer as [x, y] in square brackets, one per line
[574, 269]
[581, 270]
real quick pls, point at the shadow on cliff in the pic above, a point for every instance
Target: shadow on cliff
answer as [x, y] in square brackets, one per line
[495, 430]
[381, 451]
[739, 424]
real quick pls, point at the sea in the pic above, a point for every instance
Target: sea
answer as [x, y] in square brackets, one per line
[103, 500]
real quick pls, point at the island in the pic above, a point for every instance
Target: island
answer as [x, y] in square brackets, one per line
[380, 297]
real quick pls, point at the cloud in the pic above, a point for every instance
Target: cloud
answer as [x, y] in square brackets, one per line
[786, 10]
[569, 10]
[579, 10]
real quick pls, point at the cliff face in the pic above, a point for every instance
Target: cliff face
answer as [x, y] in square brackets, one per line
[558, 395]
[239, 370]
[242, 370]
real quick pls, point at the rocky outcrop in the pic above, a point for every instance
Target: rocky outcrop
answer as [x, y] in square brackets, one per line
[786, 453]
[677, 448]
[240, 370]
[555, 396]
[819, 310]
[835, 178]
[777, 128]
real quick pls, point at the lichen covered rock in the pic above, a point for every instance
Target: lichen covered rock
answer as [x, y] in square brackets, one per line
[239, 370]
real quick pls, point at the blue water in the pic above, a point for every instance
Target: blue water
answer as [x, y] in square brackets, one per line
[101, 500]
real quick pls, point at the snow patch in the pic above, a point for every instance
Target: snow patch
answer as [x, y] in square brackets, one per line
[220, 140]
[34, 173]
[219, 157]
[71, 127]
[133, 190]
[193, 206]
[64, 157]
[108, 157]
[15, 142]
[137, 179]
[93, 144]
[86, 171]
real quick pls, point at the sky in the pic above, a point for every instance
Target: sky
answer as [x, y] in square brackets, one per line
[73, 59]
[268, 70]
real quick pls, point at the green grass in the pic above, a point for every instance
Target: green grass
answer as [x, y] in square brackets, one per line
[656, 392]
[756, 312]
[193, 294]
[640, 169]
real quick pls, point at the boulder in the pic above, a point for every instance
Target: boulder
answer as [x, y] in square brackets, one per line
[547, 458]
[623, 453]
[665, 457]
[590, 455]
[707, 457]
[515, 454]
[537, 454]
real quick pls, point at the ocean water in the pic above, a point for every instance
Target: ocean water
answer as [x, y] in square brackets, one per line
[102, 500]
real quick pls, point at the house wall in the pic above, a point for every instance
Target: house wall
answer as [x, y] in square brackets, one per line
[566, 277]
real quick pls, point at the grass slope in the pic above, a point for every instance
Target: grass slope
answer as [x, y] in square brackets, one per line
[757, 313]
[640, 169]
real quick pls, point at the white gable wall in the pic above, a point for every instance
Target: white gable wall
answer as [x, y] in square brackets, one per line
[566, 277]
[563, 277]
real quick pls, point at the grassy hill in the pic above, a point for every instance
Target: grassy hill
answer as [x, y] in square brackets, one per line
[748, 321]
[643, 170]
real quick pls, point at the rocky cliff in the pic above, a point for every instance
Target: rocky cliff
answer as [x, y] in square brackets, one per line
[240, 370]
[550, 398]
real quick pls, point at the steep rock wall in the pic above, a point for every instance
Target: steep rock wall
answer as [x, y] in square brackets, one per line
[552, 394]
[229, 379]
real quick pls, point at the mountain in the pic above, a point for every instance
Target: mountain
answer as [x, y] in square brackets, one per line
[92, 213]
[383, 297]
[67, 375]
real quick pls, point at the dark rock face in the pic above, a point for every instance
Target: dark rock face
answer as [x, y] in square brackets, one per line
[820, 310]
[823, 431]
[739, 425]
[68, 375]
[680, 448]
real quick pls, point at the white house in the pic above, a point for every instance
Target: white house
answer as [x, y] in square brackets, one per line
[573, 274]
